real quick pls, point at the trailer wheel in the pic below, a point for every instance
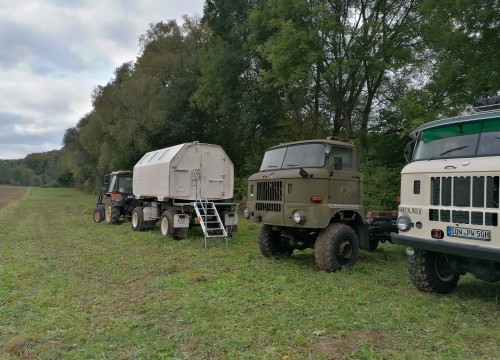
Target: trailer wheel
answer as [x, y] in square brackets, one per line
[167, 223]
[430, 272]
[336, 247]
[138, 219]
[98, 214]
[270, 242]
[112, 214]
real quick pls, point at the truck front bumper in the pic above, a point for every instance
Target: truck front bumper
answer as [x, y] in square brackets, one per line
[470, 251]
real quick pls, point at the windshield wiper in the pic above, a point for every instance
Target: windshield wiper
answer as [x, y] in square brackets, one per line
[454, 149]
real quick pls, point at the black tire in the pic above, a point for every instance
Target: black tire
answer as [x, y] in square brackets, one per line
[336, 247]
[271, 244]
[430, 272]
[167, 223]
[138, 219]
[112, 214]
[98, 214]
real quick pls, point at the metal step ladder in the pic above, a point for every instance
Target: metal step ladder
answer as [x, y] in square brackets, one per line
[210, 221]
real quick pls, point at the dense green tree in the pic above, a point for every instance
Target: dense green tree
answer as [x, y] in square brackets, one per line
[336, 59]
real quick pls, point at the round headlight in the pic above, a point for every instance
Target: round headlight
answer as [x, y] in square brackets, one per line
[298, 217]
[403, 223]
[246, 213]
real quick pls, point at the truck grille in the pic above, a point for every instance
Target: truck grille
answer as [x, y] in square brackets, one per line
[465, 191]
[272, 193]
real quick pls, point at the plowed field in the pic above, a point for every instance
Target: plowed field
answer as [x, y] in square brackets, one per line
[8, 194]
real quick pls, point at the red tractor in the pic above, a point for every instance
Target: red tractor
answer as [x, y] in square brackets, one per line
[117, 199]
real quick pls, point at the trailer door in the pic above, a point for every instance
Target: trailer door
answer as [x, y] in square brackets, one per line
[213, 174]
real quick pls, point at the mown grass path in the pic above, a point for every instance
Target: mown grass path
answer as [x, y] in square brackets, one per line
[73, 289]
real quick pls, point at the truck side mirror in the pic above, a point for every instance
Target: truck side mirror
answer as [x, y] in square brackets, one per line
[337, 163]
[106, 179]
[407, 153]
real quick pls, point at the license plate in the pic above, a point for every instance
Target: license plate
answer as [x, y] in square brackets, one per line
[181, 221]
[475, 234]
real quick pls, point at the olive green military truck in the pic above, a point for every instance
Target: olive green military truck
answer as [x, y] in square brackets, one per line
[308, 194]
[448, 215]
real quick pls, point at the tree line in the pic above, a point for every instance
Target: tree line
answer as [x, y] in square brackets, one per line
[250, 74]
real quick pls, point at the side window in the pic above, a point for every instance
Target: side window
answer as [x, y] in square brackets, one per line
[345, 154]
[112, 184]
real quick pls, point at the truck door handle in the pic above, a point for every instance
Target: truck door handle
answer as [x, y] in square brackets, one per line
[450, 167]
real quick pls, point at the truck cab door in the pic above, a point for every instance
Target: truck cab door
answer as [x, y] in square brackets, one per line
[345, 179]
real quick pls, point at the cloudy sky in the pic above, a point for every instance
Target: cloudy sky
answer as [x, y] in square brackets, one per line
[54, 52]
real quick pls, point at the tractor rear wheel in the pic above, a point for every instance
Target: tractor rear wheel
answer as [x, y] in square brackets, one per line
[112, 214]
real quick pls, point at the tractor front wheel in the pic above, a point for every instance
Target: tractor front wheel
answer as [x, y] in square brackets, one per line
[98, 214]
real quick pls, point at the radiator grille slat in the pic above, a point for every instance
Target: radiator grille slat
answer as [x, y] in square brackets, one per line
[479, 192]
[269, 196]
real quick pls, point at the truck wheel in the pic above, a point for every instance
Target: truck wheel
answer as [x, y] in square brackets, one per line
[138, 219]
[336, 247]
[112, 214]
[270, 243]
[167, 223]
[430, 272]
[98, 214]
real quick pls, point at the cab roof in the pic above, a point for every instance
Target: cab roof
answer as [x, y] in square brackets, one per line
[121, 172]
[455, 120]
[320, 141]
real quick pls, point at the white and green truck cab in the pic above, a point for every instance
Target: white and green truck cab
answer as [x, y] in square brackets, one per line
[449, 209]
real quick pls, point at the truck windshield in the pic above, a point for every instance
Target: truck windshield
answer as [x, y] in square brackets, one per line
[294, 156]
[480, 138]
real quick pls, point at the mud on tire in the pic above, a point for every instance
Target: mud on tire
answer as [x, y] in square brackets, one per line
[429, 272]
[336, 247]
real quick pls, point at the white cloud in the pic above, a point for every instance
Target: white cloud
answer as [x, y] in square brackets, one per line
[54, 52]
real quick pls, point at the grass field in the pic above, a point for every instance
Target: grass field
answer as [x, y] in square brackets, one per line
[73, 289]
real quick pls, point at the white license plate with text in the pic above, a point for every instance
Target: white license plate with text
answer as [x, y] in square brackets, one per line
[467, 233]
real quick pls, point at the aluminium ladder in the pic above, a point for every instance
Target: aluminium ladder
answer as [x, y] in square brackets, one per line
[208, 216]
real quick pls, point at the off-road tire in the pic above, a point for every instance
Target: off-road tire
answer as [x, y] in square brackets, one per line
[167, 223]
[270, 243]
[112, 214]
[138, 219]
[336, 247]
[429, 272]
[98, 214]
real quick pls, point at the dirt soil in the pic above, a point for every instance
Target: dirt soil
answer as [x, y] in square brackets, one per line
[8, 194]
[339, 347]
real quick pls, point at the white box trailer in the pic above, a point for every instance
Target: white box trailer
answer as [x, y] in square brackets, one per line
[188, 171]
[177, 184]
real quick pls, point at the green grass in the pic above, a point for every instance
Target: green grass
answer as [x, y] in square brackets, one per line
[73, 289]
